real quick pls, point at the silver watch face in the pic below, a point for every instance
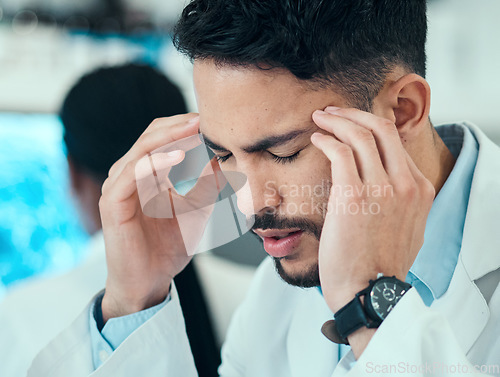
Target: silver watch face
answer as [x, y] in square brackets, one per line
[384, 295]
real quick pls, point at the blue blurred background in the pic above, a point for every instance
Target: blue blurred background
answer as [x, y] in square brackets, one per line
[39, 228]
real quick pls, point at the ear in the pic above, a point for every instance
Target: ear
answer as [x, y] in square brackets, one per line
[406, 102]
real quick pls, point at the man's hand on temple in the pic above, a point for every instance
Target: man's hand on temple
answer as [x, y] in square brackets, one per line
[144, 253]
[377, 210]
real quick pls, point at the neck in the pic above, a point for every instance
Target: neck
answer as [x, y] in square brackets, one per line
[438, 168]
[446, 164]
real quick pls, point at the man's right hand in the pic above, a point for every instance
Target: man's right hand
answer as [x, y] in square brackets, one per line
[143, 253]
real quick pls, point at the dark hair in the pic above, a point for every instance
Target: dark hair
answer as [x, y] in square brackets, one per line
[351, 44]
[107, 110]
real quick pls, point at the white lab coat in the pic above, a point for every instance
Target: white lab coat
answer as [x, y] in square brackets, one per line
[36, 310]
[276, 331]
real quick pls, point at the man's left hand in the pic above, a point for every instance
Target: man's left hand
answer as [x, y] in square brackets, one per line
[378, 204]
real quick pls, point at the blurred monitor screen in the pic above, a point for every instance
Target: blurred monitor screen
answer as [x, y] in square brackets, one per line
[40, 231]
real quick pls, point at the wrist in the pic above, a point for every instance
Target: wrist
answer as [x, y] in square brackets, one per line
[344, 295]
[114, 306]
[345, 292]
[367, 310]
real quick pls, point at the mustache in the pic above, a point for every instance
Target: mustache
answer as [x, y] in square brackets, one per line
[272, 221]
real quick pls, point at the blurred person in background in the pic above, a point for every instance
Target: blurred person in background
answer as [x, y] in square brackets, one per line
[102, 115]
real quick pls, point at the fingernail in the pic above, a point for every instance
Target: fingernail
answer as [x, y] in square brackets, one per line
[331, 109]
[316, 136]
[192, 121]
[174, 153]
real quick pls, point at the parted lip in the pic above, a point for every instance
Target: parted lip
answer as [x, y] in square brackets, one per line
[275, 232]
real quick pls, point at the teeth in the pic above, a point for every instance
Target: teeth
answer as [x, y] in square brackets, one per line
[280, 237]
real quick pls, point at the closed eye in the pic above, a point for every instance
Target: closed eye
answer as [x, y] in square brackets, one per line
[285, 160]
[278, 159]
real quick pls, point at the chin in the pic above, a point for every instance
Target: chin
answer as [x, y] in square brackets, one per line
[306, 276]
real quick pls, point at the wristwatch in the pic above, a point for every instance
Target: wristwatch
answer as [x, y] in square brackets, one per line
[380, 297]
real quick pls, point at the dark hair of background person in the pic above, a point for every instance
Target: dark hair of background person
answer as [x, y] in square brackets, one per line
[103, 115]
[351, 44]
[107, 110]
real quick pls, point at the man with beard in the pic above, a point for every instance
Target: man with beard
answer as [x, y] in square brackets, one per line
[295, 93]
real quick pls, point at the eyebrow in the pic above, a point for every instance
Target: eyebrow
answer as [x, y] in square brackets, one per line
[262, 144]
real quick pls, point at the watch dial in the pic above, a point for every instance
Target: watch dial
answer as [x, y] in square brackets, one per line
[384, 296]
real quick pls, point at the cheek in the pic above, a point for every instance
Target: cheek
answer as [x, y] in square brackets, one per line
[305, 187]
[313, 170]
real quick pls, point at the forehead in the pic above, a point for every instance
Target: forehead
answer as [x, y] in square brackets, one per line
[248, 102]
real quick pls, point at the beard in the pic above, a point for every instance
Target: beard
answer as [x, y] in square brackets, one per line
[307, 278]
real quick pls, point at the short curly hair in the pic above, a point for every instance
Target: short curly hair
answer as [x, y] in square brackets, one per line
[350, 44]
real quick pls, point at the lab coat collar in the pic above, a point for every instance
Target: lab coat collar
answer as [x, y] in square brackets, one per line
[463, 303]
[481, 240]
[464, 307]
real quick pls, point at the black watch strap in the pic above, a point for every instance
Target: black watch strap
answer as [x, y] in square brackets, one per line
[350, 318]
[355, 315]
[347, 320]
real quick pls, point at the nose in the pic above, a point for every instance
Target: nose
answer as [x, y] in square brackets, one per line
[258, 195]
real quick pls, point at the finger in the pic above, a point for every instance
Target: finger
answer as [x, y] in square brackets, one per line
[153, 183]
[341, 156]
[140, 177]
[169, 121]
[419, 177]
[386, 135]
[184, 144]
[397, 162]
[160, 139]
[121, 188]
[165, 132]
[153, 163]
[361, 141]
[155, 124]
[155, 141]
